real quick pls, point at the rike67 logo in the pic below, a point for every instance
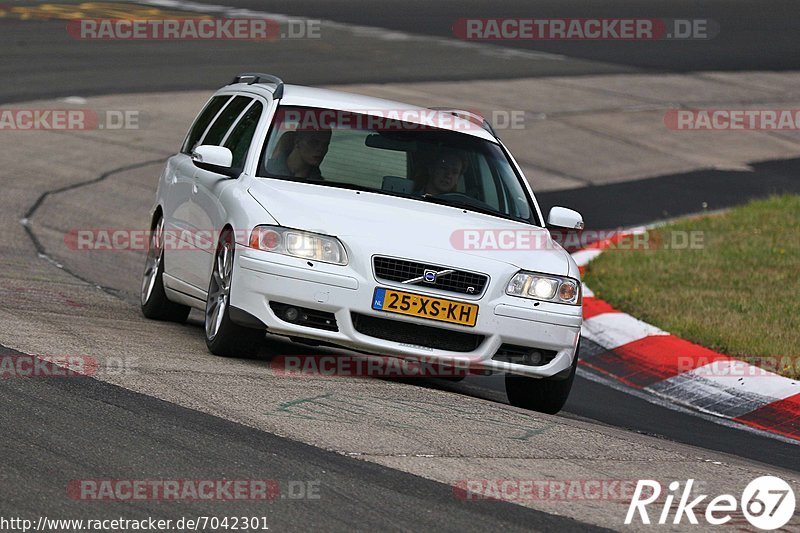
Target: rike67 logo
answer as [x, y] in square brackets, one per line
[768, 503]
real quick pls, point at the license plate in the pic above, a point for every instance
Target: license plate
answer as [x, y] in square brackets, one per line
[406, 303]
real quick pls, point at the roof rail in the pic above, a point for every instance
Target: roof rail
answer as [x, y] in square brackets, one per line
[473, 117]
[261, 78]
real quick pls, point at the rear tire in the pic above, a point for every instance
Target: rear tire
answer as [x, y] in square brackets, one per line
[223, 336]
[153, 298]
[540, 394]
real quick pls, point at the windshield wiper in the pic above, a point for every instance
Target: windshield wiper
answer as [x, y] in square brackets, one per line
[363, 188]
[345, 185]
[452, 202]
[312, 181]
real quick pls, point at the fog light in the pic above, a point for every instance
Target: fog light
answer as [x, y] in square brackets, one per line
[291, 314]
[532, 358]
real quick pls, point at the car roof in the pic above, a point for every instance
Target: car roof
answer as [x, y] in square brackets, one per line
[299, 95]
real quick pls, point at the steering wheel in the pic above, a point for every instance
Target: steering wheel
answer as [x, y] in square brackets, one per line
[461, 198]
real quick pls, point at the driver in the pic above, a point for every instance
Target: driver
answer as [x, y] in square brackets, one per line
[444, 172]
[300, 153]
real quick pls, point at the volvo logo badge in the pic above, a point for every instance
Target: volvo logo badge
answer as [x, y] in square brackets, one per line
[429, 275]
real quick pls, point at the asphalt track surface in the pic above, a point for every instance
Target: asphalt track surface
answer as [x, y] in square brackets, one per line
[58, 430]
[752, 36]
[621, 205]
[101, 418]
[40, 60]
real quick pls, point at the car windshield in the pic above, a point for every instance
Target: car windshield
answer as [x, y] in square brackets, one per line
[389, 156]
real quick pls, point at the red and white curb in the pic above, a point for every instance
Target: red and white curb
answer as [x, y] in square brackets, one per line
[646, 358]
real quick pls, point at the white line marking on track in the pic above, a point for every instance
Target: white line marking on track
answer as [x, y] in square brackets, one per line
[583, 257]
[651, 397]
[612, 330]
[741, 376]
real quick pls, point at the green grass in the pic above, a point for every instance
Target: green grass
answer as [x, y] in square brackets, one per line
[738, 293]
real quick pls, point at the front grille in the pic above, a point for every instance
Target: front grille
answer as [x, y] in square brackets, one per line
[400, 270]
[524, 355]
[409, 333]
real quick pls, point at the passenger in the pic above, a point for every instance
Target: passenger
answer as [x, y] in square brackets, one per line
[300, 153]
[444, 172]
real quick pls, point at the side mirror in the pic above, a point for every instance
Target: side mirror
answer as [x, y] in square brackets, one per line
[216, 159]
[565, 218]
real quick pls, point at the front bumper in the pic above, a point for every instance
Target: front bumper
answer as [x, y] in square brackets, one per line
[260, 277]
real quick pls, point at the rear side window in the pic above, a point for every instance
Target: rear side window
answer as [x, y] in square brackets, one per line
[242, 135]
[225, 120]
[203, 120]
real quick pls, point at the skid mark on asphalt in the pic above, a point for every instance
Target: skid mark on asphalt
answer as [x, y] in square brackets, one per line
[40, 249]
[399, 413]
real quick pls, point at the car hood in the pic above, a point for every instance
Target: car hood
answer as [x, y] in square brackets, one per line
[392, 225]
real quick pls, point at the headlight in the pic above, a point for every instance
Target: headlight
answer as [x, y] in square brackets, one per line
[546, 287]
[298, 243]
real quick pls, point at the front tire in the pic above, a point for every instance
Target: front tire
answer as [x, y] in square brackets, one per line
[223, 336]
[540, 394]
[153, 298]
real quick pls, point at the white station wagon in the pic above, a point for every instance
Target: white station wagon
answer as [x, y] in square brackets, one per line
[340, 219]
